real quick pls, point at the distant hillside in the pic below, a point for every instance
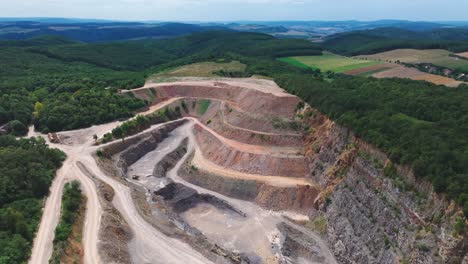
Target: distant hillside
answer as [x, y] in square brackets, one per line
[384, 39]
[139, 55]
[97, 31]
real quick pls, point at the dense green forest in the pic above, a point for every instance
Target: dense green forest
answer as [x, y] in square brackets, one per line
[75, 84]
[27, 167]
[70, 95]
[97, 32]
[385, 39]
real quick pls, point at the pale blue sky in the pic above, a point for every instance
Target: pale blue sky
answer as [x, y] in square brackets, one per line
[228, 10]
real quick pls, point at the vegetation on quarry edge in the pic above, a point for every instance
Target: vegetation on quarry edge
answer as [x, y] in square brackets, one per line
[72, 199]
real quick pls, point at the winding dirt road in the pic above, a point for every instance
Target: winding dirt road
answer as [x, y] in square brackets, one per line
[152, 246]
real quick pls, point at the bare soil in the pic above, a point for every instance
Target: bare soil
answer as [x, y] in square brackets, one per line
[415, 74]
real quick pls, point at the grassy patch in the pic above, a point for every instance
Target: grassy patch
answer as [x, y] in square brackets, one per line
[294, 62]
[437, 57]
[202, 69]
[203, 106]
[330, 62]
[319, 224]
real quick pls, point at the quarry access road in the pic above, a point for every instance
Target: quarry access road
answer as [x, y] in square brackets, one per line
[152, 244]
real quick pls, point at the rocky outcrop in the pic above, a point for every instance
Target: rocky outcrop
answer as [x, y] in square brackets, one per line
[376, 211]
[170, 160]
[133, 148]
[257, 122]
[295, 198]
[287, 165]
[298, 246]
[182, 198]
[298, 198]
[250, 100]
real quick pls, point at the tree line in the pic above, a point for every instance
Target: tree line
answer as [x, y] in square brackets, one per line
[27, 167]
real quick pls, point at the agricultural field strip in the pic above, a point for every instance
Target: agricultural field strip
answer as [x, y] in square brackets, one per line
[333, 62]
[437, 57]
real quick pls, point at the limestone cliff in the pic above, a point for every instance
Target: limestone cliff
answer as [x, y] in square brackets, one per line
[373, 211]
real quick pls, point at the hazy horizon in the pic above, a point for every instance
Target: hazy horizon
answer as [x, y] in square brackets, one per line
[239, 10]
[18, 18]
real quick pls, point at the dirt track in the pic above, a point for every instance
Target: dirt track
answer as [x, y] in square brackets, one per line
[152, 244]
[148, 245]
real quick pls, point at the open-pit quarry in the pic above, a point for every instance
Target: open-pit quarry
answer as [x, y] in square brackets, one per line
[224, 183]
[246, 173]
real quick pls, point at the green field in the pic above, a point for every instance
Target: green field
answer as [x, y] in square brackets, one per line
[437, 57]
[204, 104]
[201, 69]
[329, 62]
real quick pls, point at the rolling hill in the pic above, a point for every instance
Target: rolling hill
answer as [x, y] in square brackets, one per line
[385, 39]
[98, 31]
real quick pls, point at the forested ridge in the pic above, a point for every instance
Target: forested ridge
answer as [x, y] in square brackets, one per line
[98, 31]
[75, 84]
[385, 39]
[27, 167]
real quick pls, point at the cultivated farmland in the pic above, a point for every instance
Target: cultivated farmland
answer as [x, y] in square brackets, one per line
[437, 57]
[330, 62]
[463, 54]
[202, 69]
[382, 65]
[415, 74]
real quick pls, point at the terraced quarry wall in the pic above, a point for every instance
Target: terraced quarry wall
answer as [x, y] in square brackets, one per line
[368, 209]
[245, 128]
[255, 162]
[250, 100]
[247, 142]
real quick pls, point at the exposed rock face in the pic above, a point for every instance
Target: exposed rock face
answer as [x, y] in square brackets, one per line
[296, 198]
[377, 212]
[374, 211]
[182, 198]
[132, 149]
[296, 246]
[247, 135]
[228, 157]
[250, 100]
[170, 160]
